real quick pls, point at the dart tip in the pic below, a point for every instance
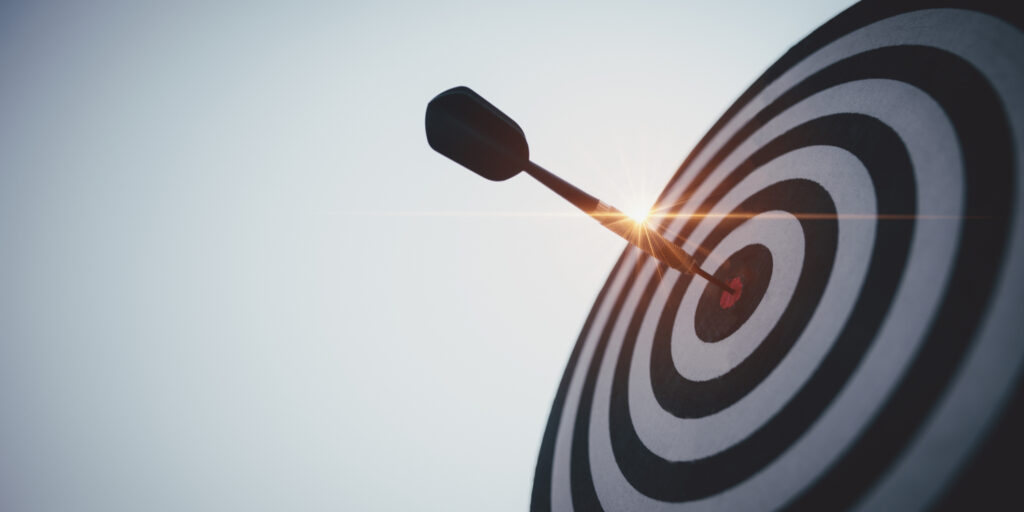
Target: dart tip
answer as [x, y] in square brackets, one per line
[714, 280]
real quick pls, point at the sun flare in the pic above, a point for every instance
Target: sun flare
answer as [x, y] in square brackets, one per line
[639, 215]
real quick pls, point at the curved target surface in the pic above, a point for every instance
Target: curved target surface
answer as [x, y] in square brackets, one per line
[862, 197]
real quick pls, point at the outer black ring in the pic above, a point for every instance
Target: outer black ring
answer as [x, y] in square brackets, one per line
[977, 116]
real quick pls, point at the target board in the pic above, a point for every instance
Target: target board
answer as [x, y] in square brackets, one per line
[863, 198]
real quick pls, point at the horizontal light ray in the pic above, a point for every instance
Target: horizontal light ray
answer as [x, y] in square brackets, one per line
[455, 214]
[655, 215]
[814, 216]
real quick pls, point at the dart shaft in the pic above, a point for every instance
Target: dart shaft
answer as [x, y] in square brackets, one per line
[577, 197]
[645, 239]
[653, 243]
[637, 234]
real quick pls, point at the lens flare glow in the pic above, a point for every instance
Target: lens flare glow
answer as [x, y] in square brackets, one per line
[639, 215]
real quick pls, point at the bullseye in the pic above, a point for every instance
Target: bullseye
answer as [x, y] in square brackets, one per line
[720, 313]
[728, 300]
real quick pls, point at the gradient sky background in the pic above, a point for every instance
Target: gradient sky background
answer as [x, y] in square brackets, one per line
[233, 275]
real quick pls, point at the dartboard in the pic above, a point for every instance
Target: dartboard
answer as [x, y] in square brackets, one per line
[862, 198]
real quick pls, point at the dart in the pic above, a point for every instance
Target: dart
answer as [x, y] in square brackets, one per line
[469, 130]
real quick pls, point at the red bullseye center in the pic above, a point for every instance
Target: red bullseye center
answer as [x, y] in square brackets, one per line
[728, 300]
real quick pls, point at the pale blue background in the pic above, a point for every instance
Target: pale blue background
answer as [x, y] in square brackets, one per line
[210, 297]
